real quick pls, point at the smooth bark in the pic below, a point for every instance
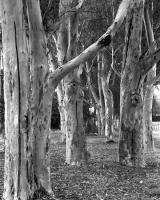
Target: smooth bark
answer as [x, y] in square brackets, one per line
[148, 90]
[101, 95]
[101, 43]
[108, 98]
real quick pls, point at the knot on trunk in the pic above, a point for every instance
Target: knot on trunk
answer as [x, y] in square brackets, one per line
[104, 42]
[72, 88]
[135, 98]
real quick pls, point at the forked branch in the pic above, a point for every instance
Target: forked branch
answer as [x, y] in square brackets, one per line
[102, 42]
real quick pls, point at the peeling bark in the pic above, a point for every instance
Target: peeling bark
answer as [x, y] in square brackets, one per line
[73, 97]
[131, 114]
[40, 99]
[17, 184]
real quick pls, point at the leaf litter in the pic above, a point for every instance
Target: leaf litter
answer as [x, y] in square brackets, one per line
[102, 179]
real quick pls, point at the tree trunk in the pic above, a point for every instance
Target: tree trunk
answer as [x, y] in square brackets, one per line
[148, 90]
[131, 113]
[27, 104]
[98, 117]
[40, 99]
[18, 182]
[73, 95]
[94, 95]
[61, 45]
[147, 119]
[75, 136]
[108, 98]
[101, 97]
[1, 97]
[60, 95]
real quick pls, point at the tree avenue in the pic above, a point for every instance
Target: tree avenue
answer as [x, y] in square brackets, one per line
[29, 86]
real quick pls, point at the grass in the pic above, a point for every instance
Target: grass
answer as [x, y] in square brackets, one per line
[103, 178]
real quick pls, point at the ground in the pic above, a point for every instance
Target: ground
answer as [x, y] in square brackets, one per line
[103, 178]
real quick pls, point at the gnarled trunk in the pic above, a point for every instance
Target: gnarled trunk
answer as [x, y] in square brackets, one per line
[75, 136]
[131, 113]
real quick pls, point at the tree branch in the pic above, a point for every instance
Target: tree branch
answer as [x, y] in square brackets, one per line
[148, 61]
[151, 58]
[67, 14]
[116, 71]
[102, 42]
[88, 74]
[153, 81]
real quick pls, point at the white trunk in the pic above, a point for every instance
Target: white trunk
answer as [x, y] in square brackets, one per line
[108, 98]
[61, 45]
[18, 184]
[101, 96]
[148, 90]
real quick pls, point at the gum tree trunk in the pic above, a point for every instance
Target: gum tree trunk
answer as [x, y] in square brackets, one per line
[61, 45]
[147, 115]
[148, 90]
[101, 96]
[18, 184]
[27, 111]
[131, 113]
[1, 96]
[69, 92]
[108, 98]
[40, 99]
[94, 95]
[73, 101]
